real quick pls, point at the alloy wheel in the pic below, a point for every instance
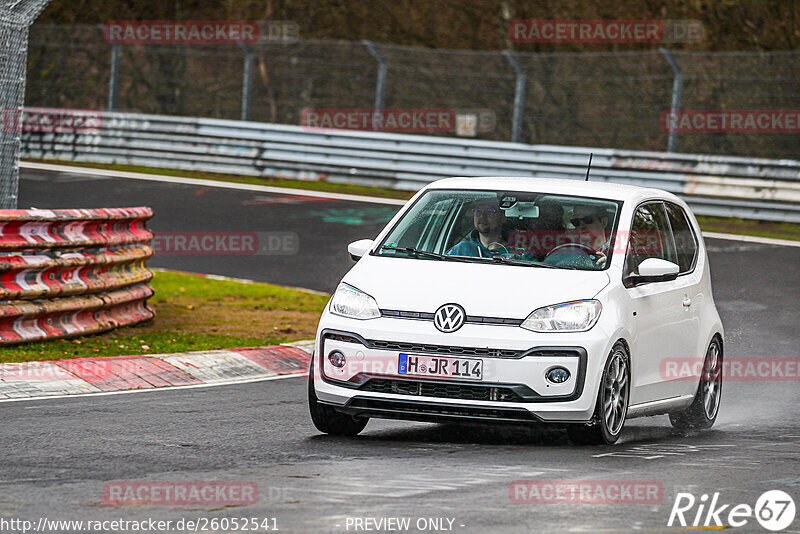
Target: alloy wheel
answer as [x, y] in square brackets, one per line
[615, 392]
[712, 380]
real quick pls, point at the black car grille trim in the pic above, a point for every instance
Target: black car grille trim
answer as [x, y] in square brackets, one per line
[403, 346]
[433, 411]
[343, 337]
[470, 319]
[446, 390]
[497, 321]
[400, 314]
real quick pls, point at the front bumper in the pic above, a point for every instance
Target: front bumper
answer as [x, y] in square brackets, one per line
[513, 388]
[433, 411]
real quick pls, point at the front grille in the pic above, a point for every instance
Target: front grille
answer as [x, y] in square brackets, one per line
[400, 314]
[470, 319]
[432, 411]
[478, 319]
[401, 346]
[442, 390]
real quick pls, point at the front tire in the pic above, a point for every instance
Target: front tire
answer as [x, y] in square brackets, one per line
[703, 412]
[326, 418]
[612, 403]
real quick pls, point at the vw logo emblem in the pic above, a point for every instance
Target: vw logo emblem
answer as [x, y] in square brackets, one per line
[449, 318]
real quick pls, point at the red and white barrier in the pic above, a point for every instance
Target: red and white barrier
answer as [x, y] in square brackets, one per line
[71, 272]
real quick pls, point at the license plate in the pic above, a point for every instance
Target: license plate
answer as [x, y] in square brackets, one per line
[460, 368]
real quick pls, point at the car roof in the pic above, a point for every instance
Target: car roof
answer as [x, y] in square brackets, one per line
[581, 188]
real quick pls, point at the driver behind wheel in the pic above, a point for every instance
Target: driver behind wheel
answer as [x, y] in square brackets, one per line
[487, 238]
[591, 222]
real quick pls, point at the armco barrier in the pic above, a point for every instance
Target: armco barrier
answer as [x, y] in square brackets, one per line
[713, 185]
[72, 272]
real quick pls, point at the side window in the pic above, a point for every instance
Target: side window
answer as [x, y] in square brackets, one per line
[650, 237]
[685, 240]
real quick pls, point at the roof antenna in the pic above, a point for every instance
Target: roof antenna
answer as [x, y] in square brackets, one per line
[589, 167]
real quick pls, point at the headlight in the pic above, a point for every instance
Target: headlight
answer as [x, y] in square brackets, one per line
[568, 317]
[350, 302]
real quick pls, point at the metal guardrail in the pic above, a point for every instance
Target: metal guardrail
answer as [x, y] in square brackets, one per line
[714, 185]
[72, 272]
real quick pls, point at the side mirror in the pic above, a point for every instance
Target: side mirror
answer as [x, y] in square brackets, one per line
[356, 249]
[653, 270]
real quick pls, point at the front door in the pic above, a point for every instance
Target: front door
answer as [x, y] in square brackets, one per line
[664, 329]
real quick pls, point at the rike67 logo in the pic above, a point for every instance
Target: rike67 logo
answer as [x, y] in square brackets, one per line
[774, 510]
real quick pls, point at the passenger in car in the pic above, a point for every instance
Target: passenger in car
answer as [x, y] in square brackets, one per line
[534, 237]
[487, 237]
[591, 222]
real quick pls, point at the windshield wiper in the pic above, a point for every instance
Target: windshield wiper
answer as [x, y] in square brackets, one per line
[475, 259]
[418, 252]
[425, 253]
[511, 261]
[505, 260]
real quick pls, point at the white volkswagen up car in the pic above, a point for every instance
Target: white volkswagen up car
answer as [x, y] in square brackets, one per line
[524, 300]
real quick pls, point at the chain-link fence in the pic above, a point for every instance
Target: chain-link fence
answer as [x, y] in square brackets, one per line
[587, 99]
[15, 20]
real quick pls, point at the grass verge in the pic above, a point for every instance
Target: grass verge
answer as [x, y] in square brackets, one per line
[195, 313]
[775, 230]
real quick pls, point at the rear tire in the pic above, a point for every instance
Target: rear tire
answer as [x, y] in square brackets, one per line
[612, 403]
[702, 414]
[327, 419]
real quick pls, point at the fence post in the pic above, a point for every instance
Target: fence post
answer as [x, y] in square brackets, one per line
[519, 95]
[677, 91]
[380, 87]
[112, 82]
[247, 81]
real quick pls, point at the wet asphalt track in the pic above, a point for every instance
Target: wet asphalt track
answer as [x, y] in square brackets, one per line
[58, 454]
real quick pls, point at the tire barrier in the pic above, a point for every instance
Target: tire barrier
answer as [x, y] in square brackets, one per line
[73, 272]
[724, 186]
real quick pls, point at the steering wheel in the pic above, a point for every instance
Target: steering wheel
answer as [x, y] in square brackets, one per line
[499, 245]
[586, 249]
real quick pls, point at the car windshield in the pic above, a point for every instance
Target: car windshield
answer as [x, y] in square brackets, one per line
[511, 227]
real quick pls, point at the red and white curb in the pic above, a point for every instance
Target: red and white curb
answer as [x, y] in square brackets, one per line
[31, 380]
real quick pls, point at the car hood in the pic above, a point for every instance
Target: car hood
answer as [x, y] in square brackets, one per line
[490, 290]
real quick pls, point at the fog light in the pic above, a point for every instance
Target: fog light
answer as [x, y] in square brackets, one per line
[337, 359]
[557, 375]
